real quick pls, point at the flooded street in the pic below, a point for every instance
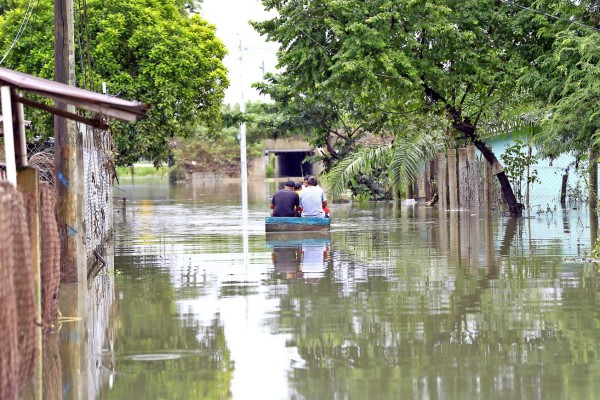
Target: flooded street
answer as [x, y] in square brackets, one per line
[395, 302]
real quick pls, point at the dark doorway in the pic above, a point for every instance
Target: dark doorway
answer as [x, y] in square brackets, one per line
[291, 164]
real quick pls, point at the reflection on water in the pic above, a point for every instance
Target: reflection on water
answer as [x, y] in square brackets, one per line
[299, 254]
[393, 303]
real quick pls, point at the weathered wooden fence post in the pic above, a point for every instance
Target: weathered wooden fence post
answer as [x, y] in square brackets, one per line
[28, 183]
[593, 195]
[452, 179]
[442, 182]
[463, 179]
[474, 177]
[487, 186]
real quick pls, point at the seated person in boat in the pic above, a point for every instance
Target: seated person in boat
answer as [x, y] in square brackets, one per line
[313, 199]
[298, 188]
[285, 202]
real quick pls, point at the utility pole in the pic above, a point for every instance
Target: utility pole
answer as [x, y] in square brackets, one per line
[68, 154]
[243, 157]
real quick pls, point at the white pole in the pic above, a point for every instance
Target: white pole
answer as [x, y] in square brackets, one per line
[9, 139]
[22, 136]
[244, 162]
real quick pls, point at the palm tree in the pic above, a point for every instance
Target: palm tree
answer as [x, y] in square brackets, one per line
[403, 159]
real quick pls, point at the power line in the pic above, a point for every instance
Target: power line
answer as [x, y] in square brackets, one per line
[24, 22]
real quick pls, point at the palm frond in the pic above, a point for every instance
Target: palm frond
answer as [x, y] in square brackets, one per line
[403, 160]
[408, 157]
[364, 160]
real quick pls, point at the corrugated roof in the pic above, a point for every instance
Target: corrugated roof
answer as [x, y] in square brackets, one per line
[102, 104]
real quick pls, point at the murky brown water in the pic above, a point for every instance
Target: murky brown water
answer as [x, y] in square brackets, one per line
[393, 303]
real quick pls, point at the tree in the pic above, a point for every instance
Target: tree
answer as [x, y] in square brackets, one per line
[328, 122]
[402, 159]
[566, 80]
[449, 58]
[148, 50]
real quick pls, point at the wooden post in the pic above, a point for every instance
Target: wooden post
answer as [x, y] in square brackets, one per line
[593, 196]
[474, 240]
[487, 186]
[442, 182]
[454, 235]
[474, 177]
[563, 188]
[68, 154]
[28, 183]
[471, 153]
[452, 193]
[463, 179]
[410, 192]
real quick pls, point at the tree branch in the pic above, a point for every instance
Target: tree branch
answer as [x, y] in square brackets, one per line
[467, 90]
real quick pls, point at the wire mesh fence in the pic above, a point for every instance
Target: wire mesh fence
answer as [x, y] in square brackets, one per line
[99, 172]
[9, 367]
[18, 311]
[554, 187]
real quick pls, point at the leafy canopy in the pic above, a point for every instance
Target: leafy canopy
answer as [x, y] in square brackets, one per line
[566, 79]
[146, 50]
[387, 62]
[389, 56]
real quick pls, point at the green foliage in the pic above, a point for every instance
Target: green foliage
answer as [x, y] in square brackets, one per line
[147, 50]
[456, 54]
[516, 164]
[139, 171]
[217, 148]
[371, 186]
[400, 160]
[209, 150]
[566, 80]
[374, 66]
[270, 170]
[595, 253]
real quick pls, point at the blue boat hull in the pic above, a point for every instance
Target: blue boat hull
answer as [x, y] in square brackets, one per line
[292, 224]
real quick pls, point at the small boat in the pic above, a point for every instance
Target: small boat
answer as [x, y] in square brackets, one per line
[296, 224]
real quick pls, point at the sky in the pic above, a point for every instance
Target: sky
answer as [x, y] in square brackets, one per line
[231, 19]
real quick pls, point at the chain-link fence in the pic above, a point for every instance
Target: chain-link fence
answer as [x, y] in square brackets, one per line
[99, 172]
[543, 184]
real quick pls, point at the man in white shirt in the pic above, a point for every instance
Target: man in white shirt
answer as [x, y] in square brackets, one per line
[313, 199]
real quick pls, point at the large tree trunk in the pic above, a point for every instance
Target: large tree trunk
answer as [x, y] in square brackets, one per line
[514, 207]
[465, 126]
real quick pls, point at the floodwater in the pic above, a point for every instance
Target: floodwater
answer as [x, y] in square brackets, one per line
[394, 303]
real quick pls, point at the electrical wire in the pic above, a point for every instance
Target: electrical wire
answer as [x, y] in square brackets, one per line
[24, 22]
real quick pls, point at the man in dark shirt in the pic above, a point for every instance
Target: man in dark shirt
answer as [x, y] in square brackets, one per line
[285, 202]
